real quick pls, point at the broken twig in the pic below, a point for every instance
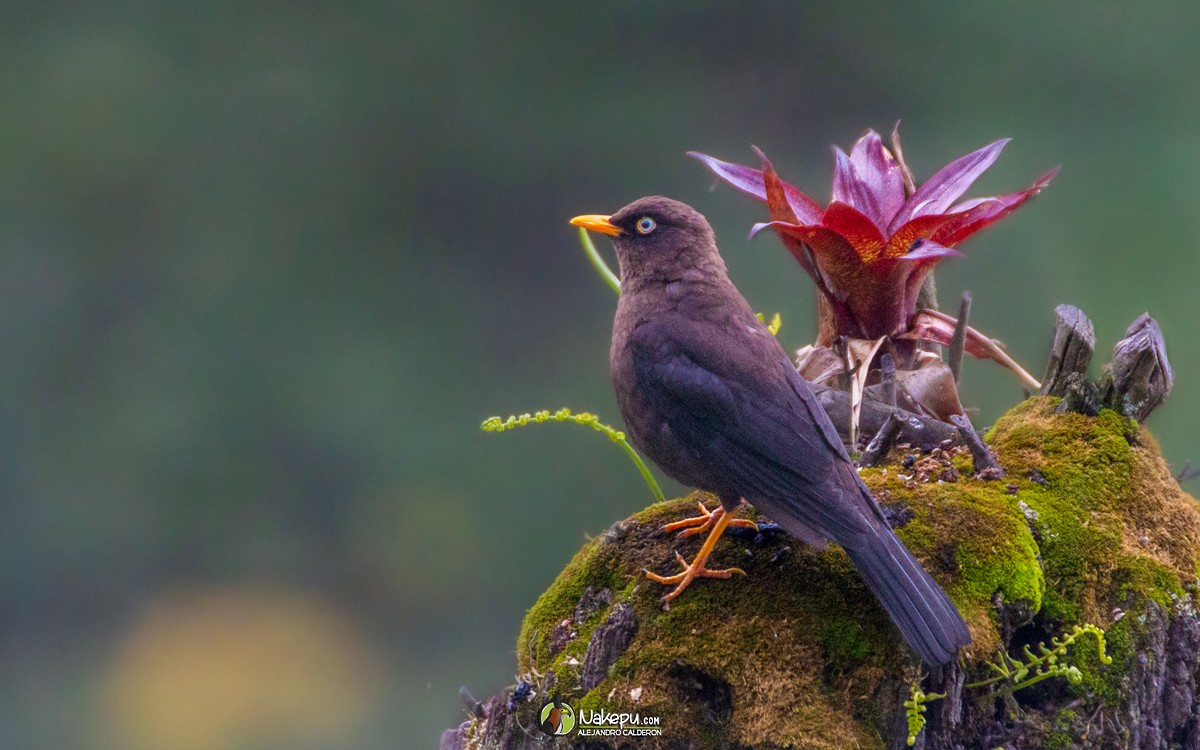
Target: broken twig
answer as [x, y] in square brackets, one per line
[1189, 471]
[986, 465]
[958, 341]
[883, 442]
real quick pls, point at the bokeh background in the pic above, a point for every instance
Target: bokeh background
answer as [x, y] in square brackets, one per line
[265, 267]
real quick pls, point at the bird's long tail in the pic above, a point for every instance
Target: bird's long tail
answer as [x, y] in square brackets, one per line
[927, 618]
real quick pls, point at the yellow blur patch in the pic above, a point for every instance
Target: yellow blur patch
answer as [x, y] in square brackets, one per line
[234, 668]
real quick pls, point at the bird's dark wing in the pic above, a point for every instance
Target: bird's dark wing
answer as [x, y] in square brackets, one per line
[748, 418]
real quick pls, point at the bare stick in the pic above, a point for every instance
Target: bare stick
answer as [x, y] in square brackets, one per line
[883, 442]
[959, 340]
[841, 346]
[1189, 471]
[887, 379]
[986, 465]
[474, 707]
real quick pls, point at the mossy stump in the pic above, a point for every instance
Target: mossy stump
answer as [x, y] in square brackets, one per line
[1088, 526]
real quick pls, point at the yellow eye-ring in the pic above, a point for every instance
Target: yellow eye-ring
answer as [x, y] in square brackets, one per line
[646, 225]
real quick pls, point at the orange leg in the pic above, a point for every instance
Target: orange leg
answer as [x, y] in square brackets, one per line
[696, 569]
[703, 522]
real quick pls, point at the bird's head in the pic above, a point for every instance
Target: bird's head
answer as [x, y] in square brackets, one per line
[657, 239]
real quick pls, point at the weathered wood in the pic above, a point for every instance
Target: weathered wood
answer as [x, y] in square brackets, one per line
[923, 433]
[958, 341]
[887, 379]
[927, 299]
[1072, 350]
[609, 642]
[883, 442]
[1139, 376]
[474, 707]
[1080, 396]
[986, 465]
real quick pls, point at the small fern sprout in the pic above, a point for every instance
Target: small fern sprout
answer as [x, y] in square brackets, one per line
[914, 709]
[496, 424]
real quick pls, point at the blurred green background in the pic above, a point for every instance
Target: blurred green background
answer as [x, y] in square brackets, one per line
[265, 267]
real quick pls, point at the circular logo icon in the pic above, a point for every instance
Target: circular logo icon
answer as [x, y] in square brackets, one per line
[557, 718]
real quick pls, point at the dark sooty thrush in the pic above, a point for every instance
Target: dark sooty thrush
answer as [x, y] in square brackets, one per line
[709, 394]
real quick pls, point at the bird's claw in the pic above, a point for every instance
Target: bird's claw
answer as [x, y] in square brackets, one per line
[715, 522]
[705, 521]
[691, 571]
[694, 524]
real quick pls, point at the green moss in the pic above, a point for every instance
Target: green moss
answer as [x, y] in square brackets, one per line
[1137, 578]
[552, 607]
[1061, 735]
[1101, 492]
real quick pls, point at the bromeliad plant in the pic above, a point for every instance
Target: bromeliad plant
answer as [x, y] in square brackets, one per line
[871, 249]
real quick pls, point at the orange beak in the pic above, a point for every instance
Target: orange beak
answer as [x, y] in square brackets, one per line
[596, 223]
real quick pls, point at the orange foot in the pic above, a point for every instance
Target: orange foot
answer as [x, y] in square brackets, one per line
[703, 522]
[718, 520]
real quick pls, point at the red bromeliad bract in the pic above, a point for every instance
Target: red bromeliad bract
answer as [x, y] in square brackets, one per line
[870, 250]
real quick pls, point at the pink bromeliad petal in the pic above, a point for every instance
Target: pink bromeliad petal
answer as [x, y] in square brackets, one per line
[750, 181]
[923, 249]
[747, 179]
[949, 183]
[836, 257]
[938, 327]
[781, 210]
[849, 189]
[972, 216]
[881, 174]
[785, 202]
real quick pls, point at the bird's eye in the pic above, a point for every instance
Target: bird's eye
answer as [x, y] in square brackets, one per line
[646, 225]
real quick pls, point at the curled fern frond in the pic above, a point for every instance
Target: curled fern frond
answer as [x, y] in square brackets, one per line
[1048, 661]
[496, 424]
[1015, 674]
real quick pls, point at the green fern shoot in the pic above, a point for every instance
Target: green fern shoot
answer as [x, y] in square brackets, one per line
[496, 424]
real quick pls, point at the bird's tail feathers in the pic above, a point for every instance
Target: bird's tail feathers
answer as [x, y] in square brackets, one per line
[922, 611]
